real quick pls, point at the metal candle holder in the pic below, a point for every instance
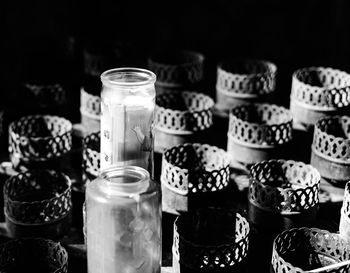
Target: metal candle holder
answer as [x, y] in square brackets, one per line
[210, 240]
[344, 225]
[40, 140]
[318, 92]
[243, 82]
[283, 193]
[258, 132]
[33, 255]
[331, 148]
[176, 126]
[90, 110]
[38, 204]
[91, 157]
[301, 249]
[190, 170]
[177, 69]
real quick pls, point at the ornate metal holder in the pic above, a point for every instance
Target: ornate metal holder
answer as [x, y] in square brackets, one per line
[90, 110]
[344, 225]
[33, 255]
[331, 148]
[40, 141]
[210, 240]
[258, 132]
[181, 117]
[243, 82]
[38, 204]
[46, 96]
[176, 70]
[91, 157]
[191, 170]
[318, 92]
[283, 194]
[303, 249]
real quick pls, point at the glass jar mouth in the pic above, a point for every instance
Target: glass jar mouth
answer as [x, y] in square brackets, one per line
[128, 179]
[128, 76]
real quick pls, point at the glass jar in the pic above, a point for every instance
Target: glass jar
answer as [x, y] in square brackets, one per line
[123, 222]
[127, 113]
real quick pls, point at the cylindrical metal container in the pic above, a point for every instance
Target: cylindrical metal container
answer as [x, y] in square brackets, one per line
[91, 158]
[123, 222]
[283, 194]
[300, 250]
[181, 117]
[258, 132]
[90, 110]
[243, 82]
[210, 240]
[33, 255]
[40, 141]
[331, 148]
[38, 204]
[127, 113]
[318, 92]
[192, 176]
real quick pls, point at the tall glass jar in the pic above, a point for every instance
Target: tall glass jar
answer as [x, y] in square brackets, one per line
[127, 112]
[123, 222]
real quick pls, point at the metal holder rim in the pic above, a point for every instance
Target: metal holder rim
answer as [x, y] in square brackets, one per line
[266, 135]
[242, 85]
[10, 204]
[280, 265]
[329, 98]
[194, 118]
[292, 201]
[240, 242]
[176, 178]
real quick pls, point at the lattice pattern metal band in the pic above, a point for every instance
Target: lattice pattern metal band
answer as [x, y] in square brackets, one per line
[90, 105]
[42, 252]
[195, 168]
[284, 186]
[196, 116]
[318, 247]
[40, 137]
[91, 154]
[332, 138]
[178, 69]
[321, 87]
[21, 193]
[260, 125]
[211, 257]
[47, 95]
[249, 77]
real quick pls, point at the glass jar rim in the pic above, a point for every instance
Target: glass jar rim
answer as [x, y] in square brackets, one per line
[140, 175]
[119, 76]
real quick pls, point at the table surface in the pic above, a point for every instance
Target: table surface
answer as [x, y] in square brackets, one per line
[234, 197]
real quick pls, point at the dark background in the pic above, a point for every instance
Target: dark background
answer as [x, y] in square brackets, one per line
[43, 40]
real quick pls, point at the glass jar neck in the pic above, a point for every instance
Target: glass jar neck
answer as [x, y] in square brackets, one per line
[130, 180]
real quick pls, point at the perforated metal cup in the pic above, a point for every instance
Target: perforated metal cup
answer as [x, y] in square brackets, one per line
[175, 69]
[301, 249]
[40, 141]
[38, 204]
[243, 82]
[210, 240]
[90, 110]
[318, 92]
[331, 148]
[283, 194]
[33, 255]
[191, 170]
[181, 117]
[91, 157]
[258, 132]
